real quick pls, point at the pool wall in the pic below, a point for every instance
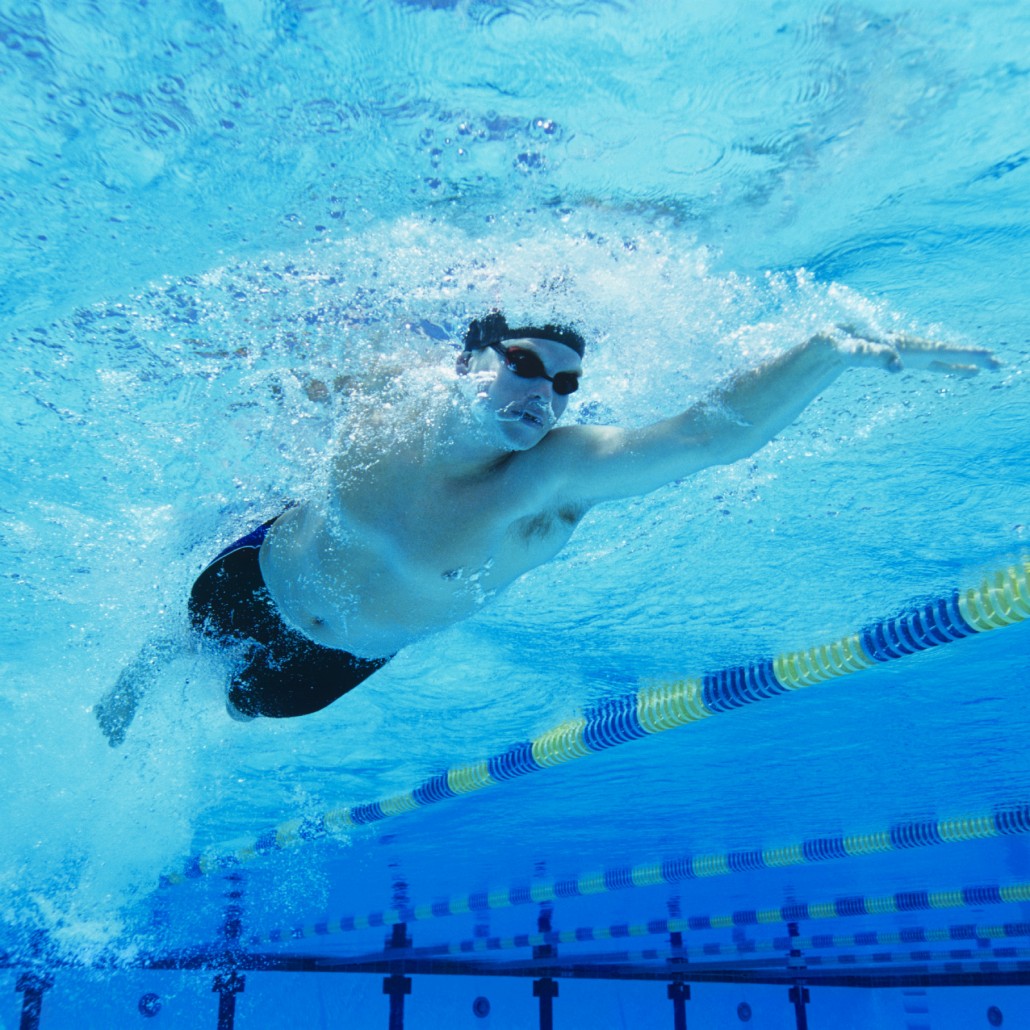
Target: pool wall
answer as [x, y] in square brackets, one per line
[269, 1001]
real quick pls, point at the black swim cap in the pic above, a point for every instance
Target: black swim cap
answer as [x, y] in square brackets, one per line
[482, 332]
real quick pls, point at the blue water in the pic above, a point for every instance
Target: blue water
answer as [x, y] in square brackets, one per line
[217, 215]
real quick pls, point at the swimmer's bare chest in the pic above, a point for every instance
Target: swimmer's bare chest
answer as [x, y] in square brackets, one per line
[395, 556]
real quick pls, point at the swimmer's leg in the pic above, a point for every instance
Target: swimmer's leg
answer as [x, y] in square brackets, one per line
[296, 677]
[117, 708]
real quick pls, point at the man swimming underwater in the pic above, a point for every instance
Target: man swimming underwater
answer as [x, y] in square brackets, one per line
[418, 530]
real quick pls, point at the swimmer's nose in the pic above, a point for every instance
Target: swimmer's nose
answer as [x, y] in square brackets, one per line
[544, 389]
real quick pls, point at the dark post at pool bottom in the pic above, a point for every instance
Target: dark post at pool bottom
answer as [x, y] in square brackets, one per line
[799, 998]
[397, 985]
[227, 986]
[679, 995]
[32, 986]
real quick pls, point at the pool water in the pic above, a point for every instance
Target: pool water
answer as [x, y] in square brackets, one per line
[218, 215]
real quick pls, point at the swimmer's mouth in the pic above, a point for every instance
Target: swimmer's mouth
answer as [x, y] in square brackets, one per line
[541, 419]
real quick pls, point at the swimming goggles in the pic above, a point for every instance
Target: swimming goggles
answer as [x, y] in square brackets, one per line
[526, 364]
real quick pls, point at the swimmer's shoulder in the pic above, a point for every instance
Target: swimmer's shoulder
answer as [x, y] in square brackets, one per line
[558, 458]
[566, 443]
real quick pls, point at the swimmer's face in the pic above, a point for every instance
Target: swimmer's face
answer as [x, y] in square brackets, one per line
[524, 408]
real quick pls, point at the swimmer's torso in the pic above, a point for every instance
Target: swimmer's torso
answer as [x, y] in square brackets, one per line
[400, 551]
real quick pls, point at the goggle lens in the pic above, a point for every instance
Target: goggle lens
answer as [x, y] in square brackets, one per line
[526, 364]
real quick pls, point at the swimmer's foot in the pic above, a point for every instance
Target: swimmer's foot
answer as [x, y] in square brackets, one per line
[117, 708]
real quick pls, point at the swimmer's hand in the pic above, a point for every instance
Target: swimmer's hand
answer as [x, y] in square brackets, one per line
[897, 351]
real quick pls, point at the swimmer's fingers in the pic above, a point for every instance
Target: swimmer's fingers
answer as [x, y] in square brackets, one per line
[953, 369]
[942, 357]
[895, 351]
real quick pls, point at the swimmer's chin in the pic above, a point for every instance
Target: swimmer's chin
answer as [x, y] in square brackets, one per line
[520, 435]
[508, 428]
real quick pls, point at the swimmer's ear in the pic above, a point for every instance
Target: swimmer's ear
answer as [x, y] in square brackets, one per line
[461, 366]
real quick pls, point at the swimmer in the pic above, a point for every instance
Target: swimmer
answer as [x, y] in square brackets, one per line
[418, 533]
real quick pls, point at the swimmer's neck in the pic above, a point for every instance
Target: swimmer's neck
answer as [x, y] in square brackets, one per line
[459, 449]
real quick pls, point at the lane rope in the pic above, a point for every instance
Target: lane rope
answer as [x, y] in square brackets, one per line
[844, 907]
[1002, 599]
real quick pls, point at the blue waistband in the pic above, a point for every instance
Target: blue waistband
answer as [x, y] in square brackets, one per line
[255, 538]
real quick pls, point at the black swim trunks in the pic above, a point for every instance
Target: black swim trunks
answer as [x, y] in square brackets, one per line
[285, 674]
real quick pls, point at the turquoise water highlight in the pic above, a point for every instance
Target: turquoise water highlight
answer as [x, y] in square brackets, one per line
[211, 209]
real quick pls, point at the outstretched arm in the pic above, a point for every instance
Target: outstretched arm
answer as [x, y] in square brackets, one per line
[744, 414]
